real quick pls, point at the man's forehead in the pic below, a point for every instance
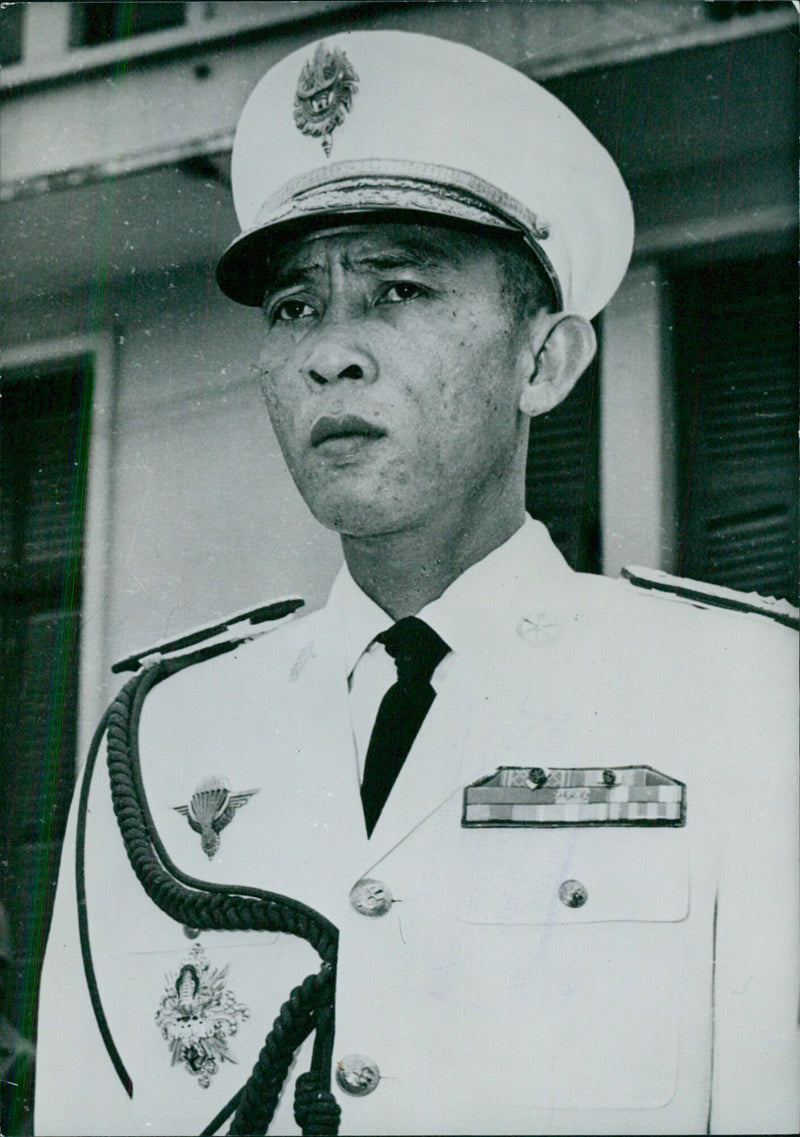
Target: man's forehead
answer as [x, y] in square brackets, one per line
[414, 242]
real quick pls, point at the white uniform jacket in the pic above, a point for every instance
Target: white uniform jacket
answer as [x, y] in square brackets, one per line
[666, 1003]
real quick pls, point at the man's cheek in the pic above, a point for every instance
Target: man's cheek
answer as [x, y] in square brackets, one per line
[282, 420]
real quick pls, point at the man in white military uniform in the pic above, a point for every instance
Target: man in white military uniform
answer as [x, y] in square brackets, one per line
[538, 829]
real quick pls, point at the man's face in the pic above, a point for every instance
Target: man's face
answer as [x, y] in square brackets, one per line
[392, 365]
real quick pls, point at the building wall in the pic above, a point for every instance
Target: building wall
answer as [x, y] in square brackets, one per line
[637, 426]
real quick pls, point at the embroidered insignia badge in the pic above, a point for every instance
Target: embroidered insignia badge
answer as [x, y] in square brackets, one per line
[324, 94]
[523, 795]
[211, 807]
[197, 1015]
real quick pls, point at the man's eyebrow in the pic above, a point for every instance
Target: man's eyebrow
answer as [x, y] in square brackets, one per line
[424, 252]
[286, 276]
[423, 255]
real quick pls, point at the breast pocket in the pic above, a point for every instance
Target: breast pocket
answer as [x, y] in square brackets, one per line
[574, 944]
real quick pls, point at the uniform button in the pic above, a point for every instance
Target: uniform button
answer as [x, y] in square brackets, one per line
[357, 1075]
[190, 933]
[573, 893]
[609, 778]
[536, 778]
[370, 897]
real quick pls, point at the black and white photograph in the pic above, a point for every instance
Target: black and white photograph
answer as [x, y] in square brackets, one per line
[399, 568]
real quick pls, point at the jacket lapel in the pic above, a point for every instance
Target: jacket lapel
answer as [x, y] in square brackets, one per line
[328, 801]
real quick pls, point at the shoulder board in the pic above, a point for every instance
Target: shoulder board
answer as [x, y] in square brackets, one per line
[266, 613]
[712, 595]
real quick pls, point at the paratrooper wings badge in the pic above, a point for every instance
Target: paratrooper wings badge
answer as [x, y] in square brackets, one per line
[211, 807]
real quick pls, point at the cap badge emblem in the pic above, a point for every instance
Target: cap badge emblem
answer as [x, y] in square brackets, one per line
[196, 1016]
[211, 807]
[324, 94]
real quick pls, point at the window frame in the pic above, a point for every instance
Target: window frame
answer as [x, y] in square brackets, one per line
[93, 670]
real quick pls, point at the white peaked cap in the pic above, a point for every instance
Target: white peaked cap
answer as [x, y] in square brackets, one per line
[392, 121]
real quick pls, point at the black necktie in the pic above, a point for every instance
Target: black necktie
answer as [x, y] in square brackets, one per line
[417, 651]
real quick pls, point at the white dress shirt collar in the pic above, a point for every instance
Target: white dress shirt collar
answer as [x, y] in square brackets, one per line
[468, 610]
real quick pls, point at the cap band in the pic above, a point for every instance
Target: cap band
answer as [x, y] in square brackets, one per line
[378, 186]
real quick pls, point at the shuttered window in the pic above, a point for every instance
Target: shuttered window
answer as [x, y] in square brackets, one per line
[737, 351]
[96, 23]
[43, 451]
[562, 481]
[10, 33]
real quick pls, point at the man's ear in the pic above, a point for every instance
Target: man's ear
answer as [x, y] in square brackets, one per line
[563, 347]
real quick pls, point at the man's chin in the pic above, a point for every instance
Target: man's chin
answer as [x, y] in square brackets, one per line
[361, 519]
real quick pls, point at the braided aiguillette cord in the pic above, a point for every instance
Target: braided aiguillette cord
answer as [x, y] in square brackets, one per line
[201, 905]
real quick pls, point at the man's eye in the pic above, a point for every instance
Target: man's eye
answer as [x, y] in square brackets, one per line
[402, 290]
[289, 310]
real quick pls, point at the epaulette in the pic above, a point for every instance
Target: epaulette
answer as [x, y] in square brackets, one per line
[713, 595]
[229, 629]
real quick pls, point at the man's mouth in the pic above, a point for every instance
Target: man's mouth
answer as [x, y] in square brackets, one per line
[328, 427]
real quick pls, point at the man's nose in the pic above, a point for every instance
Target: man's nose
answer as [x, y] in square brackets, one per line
[335, 357]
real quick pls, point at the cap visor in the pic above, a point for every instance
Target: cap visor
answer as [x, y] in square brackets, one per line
[301, 207]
